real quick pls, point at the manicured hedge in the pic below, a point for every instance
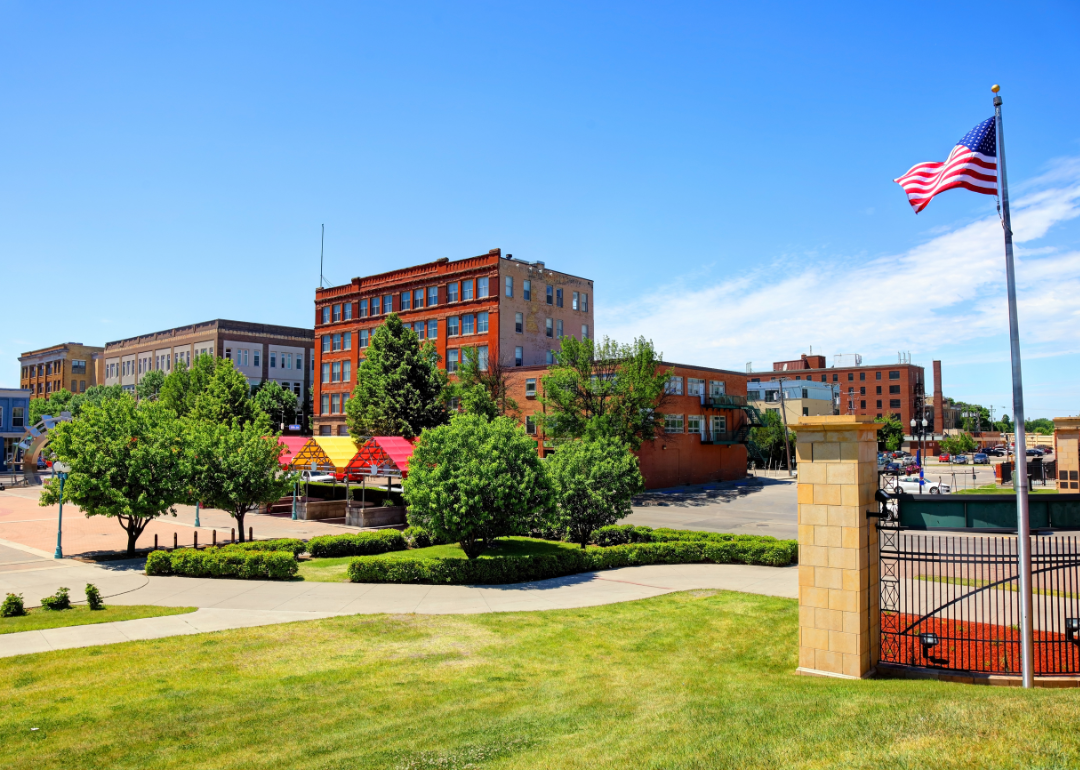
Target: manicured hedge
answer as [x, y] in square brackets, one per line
[519, 569]
[221, 563]
[360, 544]
[292, 545]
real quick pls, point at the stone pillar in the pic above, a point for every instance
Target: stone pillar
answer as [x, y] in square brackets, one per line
[1067, 453]
[839, 621]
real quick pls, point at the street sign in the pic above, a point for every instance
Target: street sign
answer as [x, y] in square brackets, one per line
[294, 427]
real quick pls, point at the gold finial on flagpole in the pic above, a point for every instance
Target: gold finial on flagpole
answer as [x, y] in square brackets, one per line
[995, 88]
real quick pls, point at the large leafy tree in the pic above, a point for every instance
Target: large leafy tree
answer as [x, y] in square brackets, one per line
[236, 466]
[400, 389]
[767, 441]
[605, 389]
[182, 388]
[892, 434]
[276, 402]
[492, 380]
[959, 443]
[65, 401]
[226, 397]
[475, 480]
[127, 462]
[149, 386]
[593, 483]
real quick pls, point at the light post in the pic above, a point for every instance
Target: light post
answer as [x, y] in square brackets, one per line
[198, 505]
[921, 428]
[61, 470]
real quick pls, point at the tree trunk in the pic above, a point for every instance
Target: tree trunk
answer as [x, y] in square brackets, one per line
[472, 547]
[240, 523]
[132, 537]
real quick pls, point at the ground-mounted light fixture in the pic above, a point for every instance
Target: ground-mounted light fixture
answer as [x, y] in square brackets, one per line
[928, 641]
[1072, 628]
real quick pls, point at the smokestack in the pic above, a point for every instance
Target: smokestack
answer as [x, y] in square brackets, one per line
[939, 401]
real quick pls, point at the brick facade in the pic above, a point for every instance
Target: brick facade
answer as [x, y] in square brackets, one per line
[69, 366]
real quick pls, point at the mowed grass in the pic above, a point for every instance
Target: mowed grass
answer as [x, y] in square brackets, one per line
[336, 570]
[994, 489]
[80, 615]
[702, 679]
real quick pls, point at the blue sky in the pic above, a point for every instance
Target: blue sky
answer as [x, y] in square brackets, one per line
[722, 171]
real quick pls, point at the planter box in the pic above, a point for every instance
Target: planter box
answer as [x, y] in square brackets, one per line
[368, 515]
[314, 510]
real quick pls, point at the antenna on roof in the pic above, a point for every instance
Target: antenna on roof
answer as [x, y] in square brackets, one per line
[322, 245]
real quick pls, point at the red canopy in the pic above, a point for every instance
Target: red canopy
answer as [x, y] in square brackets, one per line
[389, 454]
[292, 444]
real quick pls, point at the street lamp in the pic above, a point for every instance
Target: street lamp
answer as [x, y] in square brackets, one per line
[921, 428]
[61, 470]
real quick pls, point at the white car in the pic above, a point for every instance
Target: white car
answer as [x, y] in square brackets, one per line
[910, 485]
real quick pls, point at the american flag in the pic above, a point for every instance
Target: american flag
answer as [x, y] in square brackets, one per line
[972, 164]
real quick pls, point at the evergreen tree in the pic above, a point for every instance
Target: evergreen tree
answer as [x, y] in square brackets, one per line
[227, 396]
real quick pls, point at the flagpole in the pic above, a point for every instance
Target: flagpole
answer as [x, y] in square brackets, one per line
[1020, 481]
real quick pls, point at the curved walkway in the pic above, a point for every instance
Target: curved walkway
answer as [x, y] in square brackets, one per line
[243, 603]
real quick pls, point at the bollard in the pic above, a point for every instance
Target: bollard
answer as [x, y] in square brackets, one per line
[250, 536]
[215, 537]
[155, 542]
[196, 541]
[232, 534]
[174, 540]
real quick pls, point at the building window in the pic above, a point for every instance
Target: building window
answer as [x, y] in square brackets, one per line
[558, 329]
[482, 358]
[481, 287]
[419, 327]
[257, 353]
[325, 401]
[453, 326]
[481, 323]
[673, 423]
[526, 290]
[717, 388]
[519, 323]
[17, 417]
[719, 426]
[584, 331]
[346, 371]
[530, 387]
[558, 298]
[418, 299]
[530, 425]
[326, 314]
[550, 357]
[877, 375]
[862, 404]
[335, 372]
[337, 342]
[575, 301]
[325, 345]
[862, 375]
[363, 308]
[878, 389]
[78, 367]
[509, 286]
[432, 295]
[550, 294]
[346, 342]
[468, 324]
[433, 329]
[879, 405]
[326, 372]
[695, 423]
[549, 328]
[894, 375]
[348, 311]
[805, 393]
[337, 313]
[451, 292]
[584, 302]
[363, 338]
[862, 392]
[451, 361]
[673, 386]
[851, 376]
[406, 300]
[466, 290]
[894, 389]
[228, 354]
[695, 387]
[375, 306]
[519, 356]
[335, 404]
[835, 377]
[806, 410]
[74, 386]
[894, 403]
[388, 304]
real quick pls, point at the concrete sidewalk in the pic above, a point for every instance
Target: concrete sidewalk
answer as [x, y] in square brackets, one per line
[241, 603]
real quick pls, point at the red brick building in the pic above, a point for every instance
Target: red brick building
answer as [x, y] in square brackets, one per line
[506, 309]
[706, 426]
[877, 390]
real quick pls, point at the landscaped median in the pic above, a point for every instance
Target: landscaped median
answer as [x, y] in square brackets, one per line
[241, 561]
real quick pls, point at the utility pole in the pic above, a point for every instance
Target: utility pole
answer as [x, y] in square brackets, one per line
[783, 413]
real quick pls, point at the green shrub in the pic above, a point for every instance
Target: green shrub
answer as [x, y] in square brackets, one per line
[360, 544]
[58, 601]
[292, 545]
[12, 606]
[221, 563]
[417, 537]
[621, 534]
[93, 597]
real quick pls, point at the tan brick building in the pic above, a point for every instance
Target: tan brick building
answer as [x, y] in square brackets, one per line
[69, 366]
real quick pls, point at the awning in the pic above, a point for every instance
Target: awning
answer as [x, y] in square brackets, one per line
[292, 444]
[329, 453]
[382, 456]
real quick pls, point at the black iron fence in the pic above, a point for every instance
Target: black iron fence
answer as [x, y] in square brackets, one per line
[952, 601]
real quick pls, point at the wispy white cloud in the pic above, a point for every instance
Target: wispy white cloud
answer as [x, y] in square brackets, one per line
[876, 306]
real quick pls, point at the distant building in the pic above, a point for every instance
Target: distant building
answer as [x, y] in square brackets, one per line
[68, 366]
[261, 352]
[14, 414]
[505, 309]
[804, 398]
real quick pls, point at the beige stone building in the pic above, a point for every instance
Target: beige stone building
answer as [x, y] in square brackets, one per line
[68, 366]
[800, 399]
[1067, 452]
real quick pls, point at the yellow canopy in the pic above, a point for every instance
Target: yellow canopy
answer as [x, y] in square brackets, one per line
[327, 452]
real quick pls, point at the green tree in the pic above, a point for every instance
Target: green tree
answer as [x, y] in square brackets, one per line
[891, 436]
[1039, 426]
[149, 386]
[605, 389]
[400, 389]
[475, 480]
[127, 462]
[183, 386]
[276, 402]
[492, 379]
[767, 442]
[959, 444]
[476, 400]
[65, 401]
[227, 396]
[236, 466]
[593, 483]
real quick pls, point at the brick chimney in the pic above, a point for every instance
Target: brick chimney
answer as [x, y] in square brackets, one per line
[939, 401]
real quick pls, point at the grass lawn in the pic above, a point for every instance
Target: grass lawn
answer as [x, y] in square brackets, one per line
[81, 615]
[702, 679]
[336, 570]
[994, 489]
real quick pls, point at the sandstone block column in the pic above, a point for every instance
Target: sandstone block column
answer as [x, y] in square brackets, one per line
[1067, 453]
[839, 620]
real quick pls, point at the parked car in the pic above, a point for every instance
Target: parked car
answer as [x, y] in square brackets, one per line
[997, 451]
[960, 459]
[1035, 452]
[910, 485]
[943, 457]
[980, 458]
[892, 468]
